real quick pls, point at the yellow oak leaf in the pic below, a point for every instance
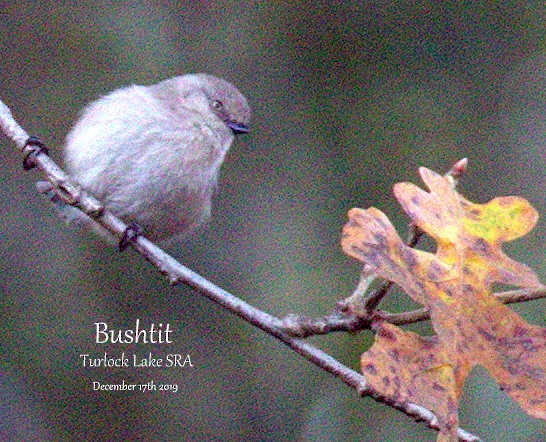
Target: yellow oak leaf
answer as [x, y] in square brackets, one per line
[408, 368]
[454, 284]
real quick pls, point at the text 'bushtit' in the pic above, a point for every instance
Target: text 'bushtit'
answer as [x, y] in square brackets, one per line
[151, 154]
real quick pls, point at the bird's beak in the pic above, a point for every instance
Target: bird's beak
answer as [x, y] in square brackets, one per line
[237, 128]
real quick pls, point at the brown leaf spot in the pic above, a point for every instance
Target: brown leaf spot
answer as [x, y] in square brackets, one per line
[387, 334]
[408, 256]
[519, 331]
[452, 406]
[530, 345]
[428, 344]
[536, 402]
[370, 368]
[394, 354]
[420, 285]
[482, 247]
[382, 223]
[352, 223]
[436, 271]
[486, 335]
[536, 373]
[381, 242]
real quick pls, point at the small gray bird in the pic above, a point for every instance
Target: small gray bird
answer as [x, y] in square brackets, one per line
[152, 154]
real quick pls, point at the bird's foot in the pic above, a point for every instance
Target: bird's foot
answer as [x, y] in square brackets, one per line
[38, 147]
[132, 232]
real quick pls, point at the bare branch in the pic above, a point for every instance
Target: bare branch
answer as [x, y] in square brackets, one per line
[523, 295]
[176, 273]
[337, 321]
[510, 297]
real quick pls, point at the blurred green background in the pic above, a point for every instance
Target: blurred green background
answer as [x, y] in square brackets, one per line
[347, 100]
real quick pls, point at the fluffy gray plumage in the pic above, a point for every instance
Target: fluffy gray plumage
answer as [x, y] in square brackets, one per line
[152, 154]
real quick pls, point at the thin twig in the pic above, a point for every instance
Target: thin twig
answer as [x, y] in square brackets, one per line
[176, 273]
[509, 297]
[338, 321]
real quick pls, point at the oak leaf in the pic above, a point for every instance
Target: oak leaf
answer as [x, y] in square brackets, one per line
[454, 284]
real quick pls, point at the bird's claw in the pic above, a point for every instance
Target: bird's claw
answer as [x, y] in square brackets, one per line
[38, 147]
[131, 233]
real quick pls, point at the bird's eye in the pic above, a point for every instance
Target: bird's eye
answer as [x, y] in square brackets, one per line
[218, 105]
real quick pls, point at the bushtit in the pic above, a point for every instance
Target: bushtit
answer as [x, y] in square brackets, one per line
[151, 154]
